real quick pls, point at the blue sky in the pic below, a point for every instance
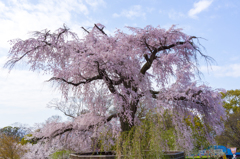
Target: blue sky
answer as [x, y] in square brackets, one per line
[24, 94]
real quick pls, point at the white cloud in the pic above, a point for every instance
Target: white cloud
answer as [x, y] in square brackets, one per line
[23, 96]
[96, 3]
[232, 70]
[22, 86]
[17, 18]
[133, 12]
[199, 7]
[175, 15]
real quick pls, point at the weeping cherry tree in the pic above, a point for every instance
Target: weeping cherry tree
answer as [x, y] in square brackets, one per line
[150, 65]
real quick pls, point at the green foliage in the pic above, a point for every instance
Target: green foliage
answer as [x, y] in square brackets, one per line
[148, 139]
[231, 100]
[104, 143]
[198, 132]
[61, 154]
[155, 134]
[24, 141]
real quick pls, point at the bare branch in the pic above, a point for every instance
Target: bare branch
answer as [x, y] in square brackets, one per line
[154, 93]
[148, 46]
[65, 30]
[85, 30]
[100, 29]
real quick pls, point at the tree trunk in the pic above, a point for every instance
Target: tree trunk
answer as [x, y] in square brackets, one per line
[126, 125]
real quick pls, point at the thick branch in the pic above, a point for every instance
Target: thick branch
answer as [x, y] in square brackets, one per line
[149, 62]
[148, 46]
[120, 81]
[107, 80]
[154, 93]
[110, 83]
[88, 80]
[169, 46]
[146, 58]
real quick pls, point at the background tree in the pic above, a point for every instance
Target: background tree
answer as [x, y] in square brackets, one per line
[231, 134]
[230, 137]
[72, 108]
[124, 67]
[76, 106]
[231, 101]
[10, 147]
[18, 130]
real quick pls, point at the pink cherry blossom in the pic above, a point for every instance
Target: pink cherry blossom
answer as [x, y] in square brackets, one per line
[150, 65]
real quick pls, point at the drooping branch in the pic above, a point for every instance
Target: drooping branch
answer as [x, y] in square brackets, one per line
[70, 128]
[187, 92]
[13, 61]
[182, 98]
[187, 99]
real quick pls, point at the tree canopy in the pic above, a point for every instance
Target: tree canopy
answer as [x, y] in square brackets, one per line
[150, 65]
[231, 101]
